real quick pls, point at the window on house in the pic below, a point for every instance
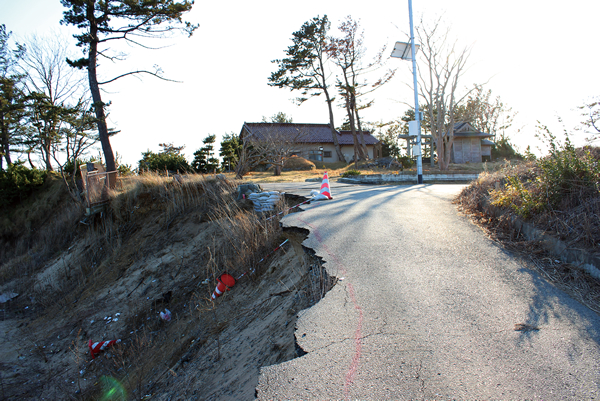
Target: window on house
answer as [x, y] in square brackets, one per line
[327, 153]
[315, 155]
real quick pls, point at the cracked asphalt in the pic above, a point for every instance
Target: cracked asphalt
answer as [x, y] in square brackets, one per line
[426, 308]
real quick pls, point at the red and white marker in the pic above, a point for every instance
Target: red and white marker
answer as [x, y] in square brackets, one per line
[226, 281]
[325, 186]
[96, 348]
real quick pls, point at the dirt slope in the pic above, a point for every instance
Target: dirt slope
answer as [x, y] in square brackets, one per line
[115, 277]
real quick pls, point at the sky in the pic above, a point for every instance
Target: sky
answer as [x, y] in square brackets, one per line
[539, 57]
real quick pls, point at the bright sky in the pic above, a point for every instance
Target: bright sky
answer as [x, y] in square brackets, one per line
[539, 57]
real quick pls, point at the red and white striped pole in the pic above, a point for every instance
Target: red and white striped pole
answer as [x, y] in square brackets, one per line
[275, 215]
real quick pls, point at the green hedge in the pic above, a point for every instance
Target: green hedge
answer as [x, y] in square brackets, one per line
[350, 173]
[17, 182]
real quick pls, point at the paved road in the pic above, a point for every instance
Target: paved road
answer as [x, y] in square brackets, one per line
[426, 309]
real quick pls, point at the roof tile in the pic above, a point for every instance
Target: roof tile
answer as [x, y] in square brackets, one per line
[305, 133]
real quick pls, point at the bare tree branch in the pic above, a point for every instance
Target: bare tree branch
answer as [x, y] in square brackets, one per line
[438, 87]
[138, 72]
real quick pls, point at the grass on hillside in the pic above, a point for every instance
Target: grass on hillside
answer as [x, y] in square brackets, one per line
[66, 268]
[559, 193]
[36, 229]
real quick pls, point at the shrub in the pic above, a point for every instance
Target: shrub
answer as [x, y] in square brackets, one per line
[17, 182]
[125, 169]
[69, 167]
[504, 149]
[351, 173]
[568, 175]
[565, 179]
[296, 163]
[406, 161]
[518, 197]
[170, 161]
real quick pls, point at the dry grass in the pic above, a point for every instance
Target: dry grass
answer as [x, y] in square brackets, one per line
[36, 230]
[338, 168]
[296, 163]
[577, 221]
[466, 168]
[158, 236]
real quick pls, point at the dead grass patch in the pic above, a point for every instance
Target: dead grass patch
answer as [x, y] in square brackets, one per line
[160, 244]
[295, 163]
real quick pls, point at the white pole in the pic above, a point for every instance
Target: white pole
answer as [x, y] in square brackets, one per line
[417, 114]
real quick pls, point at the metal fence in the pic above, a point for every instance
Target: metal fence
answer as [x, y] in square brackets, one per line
[96, 184]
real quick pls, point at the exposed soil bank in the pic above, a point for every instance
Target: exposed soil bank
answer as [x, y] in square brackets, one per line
[97, 289]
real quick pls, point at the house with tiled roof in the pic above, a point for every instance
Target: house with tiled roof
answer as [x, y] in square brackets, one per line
[470, 145]
[311, 141]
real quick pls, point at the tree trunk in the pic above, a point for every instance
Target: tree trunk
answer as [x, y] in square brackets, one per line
[4, 144]
[334, 134]
[360, 131]
[46, 149]
[29, 160]
[357, 149]
[338, 149]
[109, 157]
[444, 146]
[350, 106]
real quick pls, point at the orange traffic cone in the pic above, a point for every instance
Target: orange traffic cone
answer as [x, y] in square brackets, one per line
[95, 348]
[325, 187]
[226, 281]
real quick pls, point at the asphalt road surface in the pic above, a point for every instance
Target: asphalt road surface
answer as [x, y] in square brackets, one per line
[426, 308]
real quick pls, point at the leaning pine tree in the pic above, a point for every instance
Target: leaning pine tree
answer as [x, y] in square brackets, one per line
[102, 21]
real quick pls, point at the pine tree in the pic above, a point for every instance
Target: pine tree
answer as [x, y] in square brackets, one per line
[304, 68]
[103, 21]
[12, 97]
[231, 146]
[204, 158]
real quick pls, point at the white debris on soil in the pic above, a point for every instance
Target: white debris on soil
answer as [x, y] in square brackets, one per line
[265, 201]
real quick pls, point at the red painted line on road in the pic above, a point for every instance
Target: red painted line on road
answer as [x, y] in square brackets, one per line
[317, 235]
[357, 334]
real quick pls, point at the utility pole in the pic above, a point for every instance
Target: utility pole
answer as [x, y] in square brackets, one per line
[408, 51]
[417, 113]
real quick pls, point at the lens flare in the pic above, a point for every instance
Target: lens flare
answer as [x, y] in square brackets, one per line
[112, 389]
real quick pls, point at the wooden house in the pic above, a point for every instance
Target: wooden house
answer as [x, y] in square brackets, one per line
[311, 141]
[470, 145]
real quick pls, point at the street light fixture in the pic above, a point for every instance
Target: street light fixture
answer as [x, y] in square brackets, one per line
[408, 51]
